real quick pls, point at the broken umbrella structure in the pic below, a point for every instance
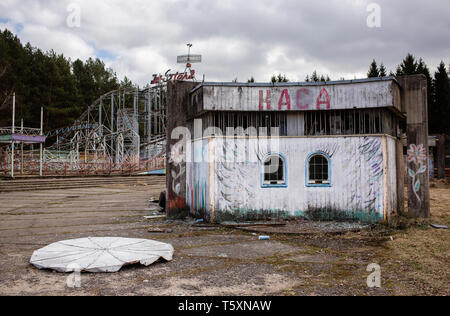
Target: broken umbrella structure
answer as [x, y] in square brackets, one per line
[107, 254]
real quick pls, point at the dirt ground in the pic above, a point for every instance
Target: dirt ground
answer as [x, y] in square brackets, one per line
[413, 257]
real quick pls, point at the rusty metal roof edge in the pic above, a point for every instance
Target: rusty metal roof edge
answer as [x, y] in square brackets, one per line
[291, 84]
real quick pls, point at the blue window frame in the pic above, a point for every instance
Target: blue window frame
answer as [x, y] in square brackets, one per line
[274, 171]
[318, 170]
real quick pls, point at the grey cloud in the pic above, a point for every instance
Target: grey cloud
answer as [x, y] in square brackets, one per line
[237, 37]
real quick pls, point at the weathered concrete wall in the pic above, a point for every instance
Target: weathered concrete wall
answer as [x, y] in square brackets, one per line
[414, 98]
[198, 179]
[363, 180]
[298, 97]
[392, 196]
[177, 107]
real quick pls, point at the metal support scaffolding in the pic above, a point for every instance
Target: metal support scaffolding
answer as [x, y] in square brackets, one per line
[123, 127]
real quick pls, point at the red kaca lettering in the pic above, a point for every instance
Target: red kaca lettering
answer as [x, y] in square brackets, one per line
[320, 99]
[263, 100]
[285, 100]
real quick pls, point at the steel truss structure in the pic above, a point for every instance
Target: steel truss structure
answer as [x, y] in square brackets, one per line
[122, 132]
[123, 127]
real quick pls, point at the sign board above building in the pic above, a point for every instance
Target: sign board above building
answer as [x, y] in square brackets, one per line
[158, 79]
[298, 97]
[189, 59]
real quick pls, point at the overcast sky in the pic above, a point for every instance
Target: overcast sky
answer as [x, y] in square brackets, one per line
[237, 38]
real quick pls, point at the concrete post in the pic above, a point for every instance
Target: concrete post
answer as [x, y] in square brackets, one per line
[414, 99]
[177, 109]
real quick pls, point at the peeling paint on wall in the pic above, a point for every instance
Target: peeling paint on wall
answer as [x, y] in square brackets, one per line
[299, 97]
[372, 152]
[232, 189]
[357, 180]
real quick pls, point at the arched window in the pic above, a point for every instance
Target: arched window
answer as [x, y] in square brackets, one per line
[318, 170]
[274, 171]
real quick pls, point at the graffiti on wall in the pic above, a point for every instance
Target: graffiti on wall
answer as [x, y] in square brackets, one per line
[371, 152]
[302, 100]
[177, 157]
[417, 156]
[353, 170]
[197, 182]
[235, 184]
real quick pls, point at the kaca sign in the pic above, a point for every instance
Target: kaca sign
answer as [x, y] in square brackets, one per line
[170, 77]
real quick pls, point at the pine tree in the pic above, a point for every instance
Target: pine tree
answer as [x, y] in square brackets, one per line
[440, 111]
[382, 71]
[373, 70]
[279, 78]
[408, 66]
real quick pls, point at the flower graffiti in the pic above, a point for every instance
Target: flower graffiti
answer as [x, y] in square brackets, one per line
[417, 155]
[177, 154]
[177, 157]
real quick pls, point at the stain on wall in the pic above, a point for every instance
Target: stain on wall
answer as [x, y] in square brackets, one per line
[197, 188]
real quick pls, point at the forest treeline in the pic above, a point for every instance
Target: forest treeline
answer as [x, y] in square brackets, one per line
[438, 89]
[65, 88]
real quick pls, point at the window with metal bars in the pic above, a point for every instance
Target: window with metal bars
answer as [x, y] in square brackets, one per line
[318, 170]
[248, 123]
[274, 171]
[351, 122]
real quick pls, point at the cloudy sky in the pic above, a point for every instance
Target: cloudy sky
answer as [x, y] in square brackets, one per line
[237, 38]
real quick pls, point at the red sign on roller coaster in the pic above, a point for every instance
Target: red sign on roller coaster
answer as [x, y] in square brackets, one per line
[188, 74]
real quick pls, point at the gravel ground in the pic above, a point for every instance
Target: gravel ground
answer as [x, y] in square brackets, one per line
[217, 260]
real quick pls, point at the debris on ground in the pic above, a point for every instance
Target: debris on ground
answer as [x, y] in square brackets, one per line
[264, 237]
[155, 216]
[100, 254]
[439, 226]
[160, 230]
[302, 227]
[258, 224]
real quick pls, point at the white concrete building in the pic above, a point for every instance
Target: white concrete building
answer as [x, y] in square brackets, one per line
[328, 151]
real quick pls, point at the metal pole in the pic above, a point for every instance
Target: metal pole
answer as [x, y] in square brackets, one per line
[149, 118]
[12, 134]
[21, 149]
[100, 117]
[42, 133]
[112, 126]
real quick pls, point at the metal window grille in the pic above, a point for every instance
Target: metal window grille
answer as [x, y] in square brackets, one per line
[318, 170]
[274, 171]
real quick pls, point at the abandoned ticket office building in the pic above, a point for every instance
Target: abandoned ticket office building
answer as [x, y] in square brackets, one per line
[322, 151]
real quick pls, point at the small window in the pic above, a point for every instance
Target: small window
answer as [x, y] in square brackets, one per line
[274, 171]
[318, 170]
